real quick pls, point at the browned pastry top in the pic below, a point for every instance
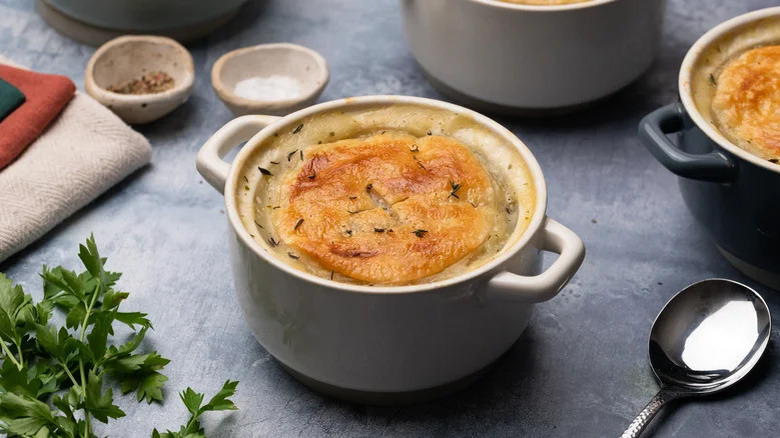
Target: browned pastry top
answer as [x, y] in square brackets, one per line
[390, 208]
[746, 106]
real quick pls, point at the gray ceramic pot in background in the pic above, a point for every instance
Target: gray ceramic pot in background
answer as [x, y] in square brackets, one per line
[97, 21]
[733, 194]
[531, 59]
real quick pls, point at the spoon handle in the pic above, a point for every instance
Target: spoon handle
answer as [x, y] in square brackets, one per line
[639, 424]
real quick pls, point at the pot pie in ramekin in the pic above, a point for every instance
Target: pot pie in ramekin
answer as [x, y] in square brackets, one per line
[392, 196]
[736, 87]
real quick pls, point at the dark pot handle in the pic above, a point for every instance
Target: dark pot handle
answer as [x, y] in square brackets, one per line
[653, 130]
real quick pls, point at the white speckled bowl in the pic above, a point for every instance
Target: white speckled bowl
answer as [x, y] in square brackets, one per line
[284, 59]
[129, 57]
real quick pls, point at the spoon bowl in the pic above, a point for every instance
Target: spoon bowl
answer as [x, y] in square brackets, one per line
[705, 339]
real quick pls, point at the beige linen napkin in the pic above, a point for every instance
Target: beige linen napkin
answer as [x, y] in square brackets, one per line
[86, 150]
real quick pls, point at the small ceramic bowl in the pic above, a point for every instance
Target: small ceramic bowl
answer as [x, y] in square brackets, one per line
[129, 57]
[290, 63]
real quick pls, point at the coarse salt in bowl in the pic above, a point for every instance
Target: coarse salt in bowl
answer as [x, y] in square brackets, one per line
[273, 79]
[274, 87]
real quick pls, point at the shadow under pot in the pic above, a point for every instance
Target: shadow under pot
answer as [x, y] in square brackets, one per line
[732, 193]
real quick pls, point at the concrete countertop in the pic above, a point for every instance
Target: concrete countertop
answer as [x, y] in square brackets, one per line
[580, 369]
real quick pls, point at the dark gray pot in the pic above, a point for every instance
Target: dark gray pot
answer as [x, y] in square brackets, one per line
[735, 199]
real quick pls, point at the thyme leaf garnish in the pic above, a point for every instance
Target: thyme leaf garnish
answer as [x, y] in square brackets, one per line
[712, 80]
[291, 154]
[379, 230]
[293, 256]
[258, 225]
[420, 233]
[264, 171]
[272, 242]
[421, 165]
[353, 197]
[455, 188]
[298, 129]
[331, 275]
[246, 179]
[298, 224]
[414, 149]
[369, 187]
[301, 154]
[349, 232]
[313, 175]
[274, 162]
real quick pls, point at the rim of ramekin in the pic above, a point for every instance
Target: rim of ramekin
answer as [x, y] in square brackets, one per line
[291, 120]
[686, 93]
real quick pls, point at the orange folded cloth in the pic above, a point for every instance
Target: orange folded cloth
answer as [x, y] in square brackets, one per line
[46, 96]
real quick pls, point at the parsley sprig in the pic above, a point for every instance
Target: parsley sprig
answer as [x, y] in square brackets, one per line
[51, 379]
[193, 401]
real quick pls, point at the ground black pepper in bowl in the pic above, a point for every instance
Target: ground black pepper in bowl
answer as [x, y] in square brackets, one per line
[148, 83]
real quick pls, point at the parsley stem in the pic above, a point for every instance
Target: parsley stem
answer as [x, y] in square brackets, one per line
[10, 355]
[89, 312]
[67, 371]
[87, 433]
[19, 350]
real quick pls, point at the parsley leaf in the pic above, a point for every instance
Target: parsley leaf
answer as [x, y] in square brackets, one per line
[98, 403]
[193, 402]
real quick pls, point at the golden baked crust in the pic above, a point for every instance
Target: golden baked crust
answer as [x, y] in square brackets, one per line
[390, 208]
[746, 106]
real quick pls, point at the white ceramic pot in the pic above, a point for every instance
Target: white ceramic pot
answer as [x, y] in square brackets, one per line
[532, 59]
[352, 339]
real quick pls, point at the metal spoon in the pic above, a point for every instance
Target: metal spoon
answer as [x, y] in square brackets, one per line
[706, 338]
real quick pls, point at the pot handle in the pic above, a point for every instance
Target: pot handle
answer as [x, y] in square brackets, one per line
[542, 287]
[653, 130]
[209, 161]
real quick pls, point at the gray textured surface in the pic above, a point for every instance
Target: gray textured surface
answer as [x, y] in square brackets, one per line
[580, 369]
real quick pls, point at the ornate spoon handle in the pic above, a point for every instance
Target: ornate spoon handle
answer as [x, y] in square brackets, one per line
[639, 424]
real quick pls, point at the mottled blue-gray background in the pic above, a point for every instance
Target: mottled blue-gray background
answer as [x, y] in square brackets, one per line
[581, 367]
